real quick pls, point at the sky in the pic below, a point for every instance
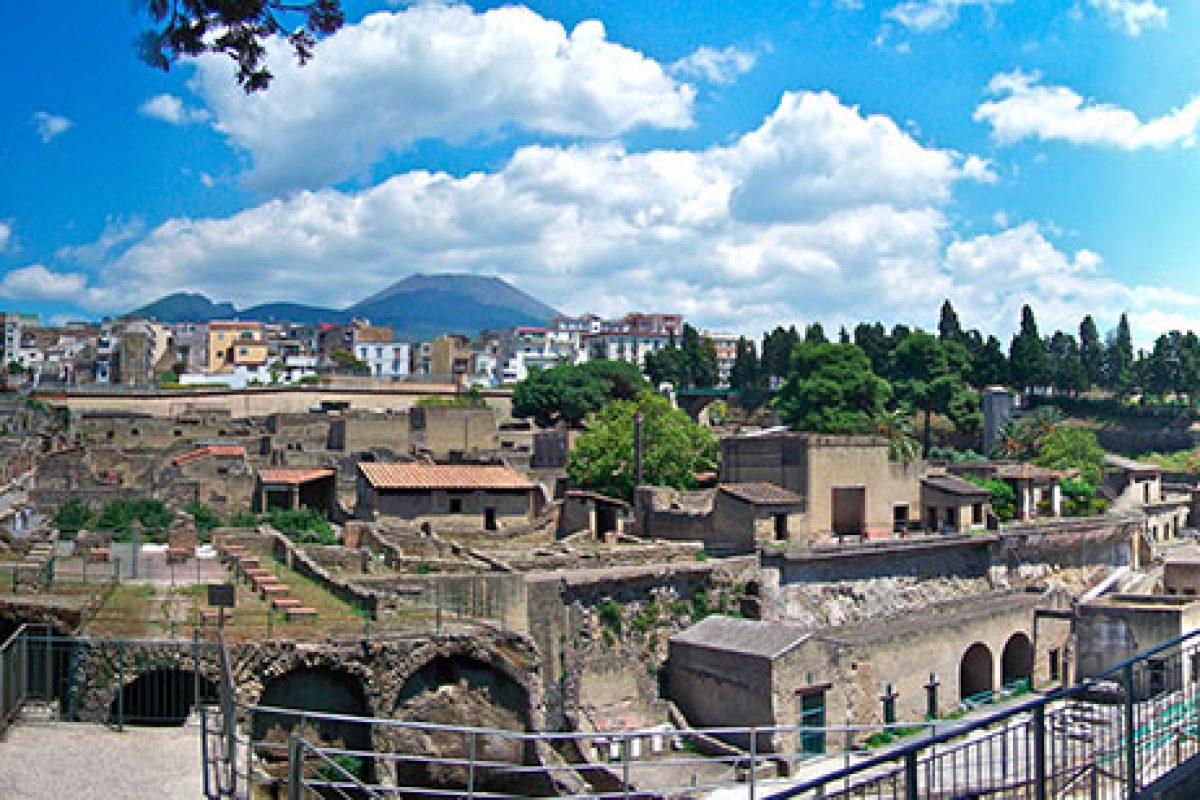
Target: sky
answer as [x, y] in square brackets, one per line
[747, 164]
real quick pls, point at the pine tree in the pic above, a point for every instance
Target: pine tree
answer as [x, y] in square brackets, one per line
[1091, 351]
[1118, 360]
[1027, 355]
[949, 329]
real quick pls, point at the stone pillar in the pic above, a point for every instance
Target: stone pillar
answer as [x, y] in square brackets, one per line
[1026, 493]
[1056, 500]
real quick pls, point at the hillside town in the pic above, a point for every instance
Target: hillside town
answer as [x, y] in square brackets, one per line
[452, 400]
[576, 546]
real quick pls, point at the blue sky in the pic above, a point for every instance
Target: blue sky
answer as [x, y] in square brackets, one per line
[747, 164]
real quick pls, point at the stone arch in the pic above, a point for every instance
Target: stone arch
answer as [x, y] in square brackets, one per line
[975, 671]
[467, 688]
[162, 696]
[106, 670]
[1016, 660]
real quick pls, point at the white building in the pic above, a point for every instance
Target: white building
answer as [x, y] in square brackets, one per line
[384, 359]
[527, 347]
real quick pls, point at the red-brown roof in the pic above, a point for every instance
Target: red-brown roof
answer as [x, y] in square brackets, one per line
[218, 450]
[294, 475]
[438, 476]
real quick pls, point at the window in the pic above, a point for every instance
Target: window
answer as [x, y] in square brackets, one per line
[1055, 665]
[455, 505]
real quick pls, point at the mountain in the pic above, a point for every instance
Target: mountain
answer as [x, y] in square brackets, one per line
[418, 307]
[185, 307]
[427, 305]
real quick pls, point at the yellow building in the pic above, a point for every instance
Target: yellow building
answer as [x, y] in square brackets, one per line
[234, 344]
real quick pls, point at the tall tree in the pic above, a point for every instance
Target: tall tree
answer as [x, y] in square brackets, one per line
[990, 366]
[831, 389]
[1118, 360]
[1091, 351]
[777, 351]
[239, 29]
[873, 340]
[744, 372]
[815, 334]
[949, 328]
[1027, 354]
[923, 379]
[674, 448]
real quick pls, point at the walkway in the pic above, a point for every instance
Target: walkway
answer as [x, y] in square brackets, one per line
[52, 761]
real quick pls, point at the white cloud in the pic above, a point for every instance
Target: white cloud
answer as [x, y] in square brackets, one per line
[171, 109]
[435, 71]
[715, 66]
[49, 126]
[36, 282]
[1028, 110]
[925, 16]
[1132, 15]
[6, 234]
[117, 233]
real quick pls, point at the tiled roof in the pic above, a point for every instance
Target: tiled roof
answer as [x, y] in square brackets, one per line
[762, 494]
[952, 484]
[294, 476]
[438, 476]
[218, 450]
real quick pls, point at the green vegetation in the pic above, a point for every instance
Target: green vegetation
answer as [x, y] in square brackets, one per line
[341, 765]
[206, 519]
[71, 517]
[690, 364]
[701, 605]
[890, 735]
[831, 388]
[302, 525]
[610, 613]
[569, 394]
[117, 517]
[1003, 499]
[647, 617]
[472, 398]
[674, 448]
[1069, 447]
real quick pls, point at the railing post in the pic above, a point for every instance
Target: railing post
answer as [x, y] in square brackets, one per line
[204, 752]
[625, 764]
[1131, 770]
[121, 686]
[753, 762]
[1039, 752]
[471, 765]
[910, 776]
[295, 766]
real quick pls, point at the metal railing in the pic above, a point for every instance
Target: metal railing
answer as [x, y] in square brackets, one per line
[1111, 736]
[14, 664]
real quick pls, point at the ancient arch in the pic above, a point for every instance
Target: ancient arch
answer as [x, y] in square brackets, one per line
[975, 672]
[463, 689]
[163, 696]
[1016, 662]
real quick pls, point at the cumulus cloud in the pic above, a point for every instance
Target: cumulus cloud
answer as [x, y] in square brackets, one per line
[6, 235]
[36, 282]
[171, 109]
[820, 212]
[1133, 16]
[117, 233]
[435, 71]
[1026, 109]
[50, 126]
[715, 66]
[924, 16]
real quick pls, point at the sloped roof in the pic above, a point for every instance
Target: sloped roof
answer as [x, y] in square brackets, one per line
[217, 450]
[762, 493]
[744, 636]
[295, 475]
[439, 476]
[952, 484]
[1128, 464]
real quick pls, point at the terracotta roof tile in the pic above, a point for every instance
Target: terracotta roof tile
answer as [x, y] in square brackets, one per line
[294, 475]
[438, 476]
[218, 450]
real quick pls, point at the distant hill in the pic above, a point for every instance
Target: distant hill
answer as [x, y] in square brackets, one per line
[417, 307]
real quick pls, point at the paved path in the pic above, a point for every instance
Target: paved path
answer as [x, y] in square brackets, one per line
[55, 761]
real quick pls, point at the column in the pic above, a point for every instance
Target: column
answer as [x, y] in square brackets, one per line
[1056, 500]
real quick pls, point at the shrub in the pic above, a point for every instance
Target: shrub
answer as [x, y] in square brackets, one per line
[302, 525]
[206, 519]
[610, 612]
[72, 516]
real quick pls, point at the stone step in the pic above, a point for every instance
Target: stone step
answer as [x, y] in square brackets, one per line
[303, 612]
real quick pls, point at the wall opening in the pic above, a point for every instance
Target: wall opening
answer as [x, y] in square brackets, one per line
[459, 690]
[489, 519]
[1016, 662]
[781, 527]
[849, 510]
[161, 697]
[975, 671]
[318, 689]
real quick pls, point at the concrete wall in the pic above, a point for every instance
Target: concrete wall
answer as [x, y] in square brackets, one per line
[1113, 629]
[434, 506]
